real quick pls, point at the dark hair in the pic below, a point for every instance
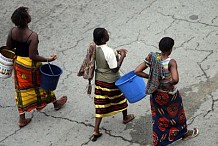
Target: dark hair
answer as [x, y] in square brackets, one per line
[98, 35]
[21, 17]
[166, 44]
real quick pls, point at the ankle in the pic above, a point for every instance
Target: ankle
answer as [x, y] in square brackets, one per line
[96, 132]
[125, 117]
[55, 103]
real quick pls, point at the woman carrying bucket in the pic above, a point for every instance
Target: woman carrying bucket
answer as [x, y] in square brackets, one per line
[29, 95]
[168, 115]
[108, 99]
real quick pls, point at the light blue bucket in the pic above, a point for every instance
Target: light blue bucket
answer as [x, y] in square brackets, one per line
[132, 86]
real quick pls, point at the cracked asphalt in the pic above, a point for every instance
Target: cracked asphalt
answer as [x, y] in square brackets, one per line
[65, 27]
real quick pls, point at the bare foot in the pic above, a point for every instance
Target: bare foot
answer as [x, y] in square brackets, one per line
[58, 104]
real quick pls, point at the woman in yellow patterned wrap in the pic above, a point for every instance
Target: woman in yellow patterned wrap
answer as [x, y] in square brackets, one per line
[28, 93]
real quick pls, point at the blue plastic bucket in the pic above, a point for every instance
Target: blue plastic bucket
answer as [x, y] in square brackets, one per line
[132, 86]
[49, 76]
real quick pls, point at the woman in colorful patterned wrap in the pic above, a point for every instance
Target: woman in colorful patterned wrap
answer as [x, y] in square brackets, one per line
[29, 95]
[168, 115]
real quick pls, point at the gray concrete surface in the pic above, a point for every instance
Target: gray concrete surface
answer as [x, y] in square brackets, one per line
[65, 27]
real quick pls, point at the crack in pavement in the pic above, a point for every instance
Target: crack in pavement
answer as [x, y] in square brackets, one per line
[185, 42]
[210, 52]
[190, 121]
[7, 106]
[185, 20]
[10, 135]
[208, 112]
[32, 115]
[212, 106]
[205, 88]
[108, 132]
[140, 12]
[165, 30]
[204, 59]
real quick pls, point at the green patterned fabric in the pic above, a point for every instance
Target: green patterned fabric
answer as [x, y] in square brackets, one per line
[156, 71]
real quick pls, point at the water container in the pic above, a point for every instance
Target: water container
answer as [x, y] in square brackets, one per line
[6, 62]
[132, 86]
[49, 76]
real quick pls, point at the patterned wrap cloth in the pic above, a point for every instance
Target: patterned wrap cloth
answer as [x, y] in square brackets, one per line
[88, 66]
[28, 93]
[168, 115]
[156, 71]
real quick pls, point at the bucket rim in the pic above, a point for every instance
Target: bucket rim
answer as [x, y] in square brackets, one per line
[61, 71]
[4, 50]
[126, 80]
[5, 65]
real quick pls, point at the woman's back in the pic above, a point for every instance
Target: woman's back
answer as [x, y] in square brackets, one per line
[168, 77]
[103, 71]
[21, 41]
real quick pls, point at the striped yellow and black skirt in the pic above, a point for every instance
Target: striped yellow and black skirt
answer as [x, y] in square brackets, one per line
[108, 99]
[28, 93]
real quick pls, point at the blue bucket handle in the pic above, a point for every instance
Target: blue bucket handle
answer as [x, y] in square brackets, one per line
[50, 68]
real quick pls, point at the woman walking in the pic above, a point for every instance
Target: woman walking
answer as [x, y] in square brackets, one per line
[168, 115]
[29, 95]
[108, 99]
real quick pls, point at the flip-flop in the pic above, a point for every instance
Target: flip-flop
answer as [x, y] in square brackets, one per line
[61, 102]
[95, 137]
[27, 121]
[130, 118]
[195, 133]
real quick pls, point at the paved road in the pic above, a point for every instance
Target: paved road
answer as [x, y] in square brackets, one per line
[65, 27]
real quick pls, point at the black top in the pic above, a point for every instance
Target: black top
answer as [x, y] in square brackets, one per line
[22, 48]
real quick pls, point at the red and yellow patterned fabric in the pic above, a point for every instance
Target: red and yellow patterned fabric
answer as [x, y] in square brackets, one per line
[28, 93]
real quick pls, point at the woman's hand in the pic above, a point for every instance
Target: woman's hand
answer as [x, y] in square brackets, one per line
[139, 70]
[167, 86]
[52, 58]
[122, 52]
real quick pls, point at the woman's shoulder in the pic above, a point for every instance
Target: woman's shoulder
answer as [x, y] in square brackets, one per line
[33, 35]
[172, 62]
[107, 48]
[153, 54]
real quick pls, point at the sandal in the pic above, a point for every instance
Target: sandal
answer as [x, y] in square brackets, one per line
[26, 122]
[60, 103]
[129, 118]
[194, 133]
[95, 137]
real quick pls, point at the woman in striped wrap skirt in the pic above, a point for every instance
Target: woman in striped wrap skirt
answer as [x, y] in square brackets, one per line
[108, 99]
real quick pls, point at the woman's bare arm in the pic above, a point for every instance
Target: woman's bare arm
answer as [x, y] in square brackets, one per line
[33, 50]
[174, 72]
[139, 70]
[123, 53]
[9, 43]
